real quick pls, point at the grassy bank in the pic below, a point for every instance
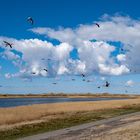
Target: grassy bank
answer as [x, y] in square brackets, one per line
[46, 111]
[65, 120]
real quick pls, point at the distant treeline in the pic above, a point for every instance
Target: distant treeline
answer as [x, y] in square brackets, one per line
[67, 95]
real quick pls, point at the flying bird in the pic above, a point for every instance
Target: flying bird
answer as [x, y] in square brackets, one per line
[30, 20]
[83, 75]
[33, 73]
[45, 70]
[54, 83]
[98, 87]
[132, 70]
[97, 25]
[8, 44]
[73, 79]
[122, 49]
[45, 59]
[107, 84]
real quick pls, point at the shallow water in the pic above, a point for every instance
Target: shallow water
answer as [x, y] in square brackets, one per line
[11, 102]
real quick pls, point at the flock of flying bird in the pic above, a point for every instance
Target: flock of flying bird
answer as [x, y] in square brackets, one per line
[31, 21]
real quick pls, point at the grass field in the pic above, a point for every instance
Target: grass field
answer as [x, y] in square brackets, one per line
[27, 120]
[35, 112]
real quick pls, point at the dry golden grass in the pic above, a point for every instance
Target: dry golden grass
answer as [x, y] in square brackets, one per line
[36, 112]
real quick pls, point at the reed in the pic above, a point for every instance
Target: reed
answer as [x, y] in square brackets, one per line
[35, 112]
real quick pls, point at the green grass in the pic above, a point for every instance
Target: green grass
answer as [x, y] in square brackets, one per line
[70, 119]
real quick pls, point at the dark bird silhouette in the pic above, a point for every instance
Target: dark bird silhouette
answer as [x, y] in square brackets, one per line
[45, 70]
[30, 20]
[122, 49]
[83, 75]
[132, 70]
[73, 79]
[33, 73]
[98, 87]
[45, 59]
[54, 83]
[97, 25]
[8, 44]
[107, 84]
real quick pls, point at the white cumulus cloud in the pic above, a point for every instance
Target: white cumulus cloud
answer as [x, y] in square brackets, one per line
[96, 49]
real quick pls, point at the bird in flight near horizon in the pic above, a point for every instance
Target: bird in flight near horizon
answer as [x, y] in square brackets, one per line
[8, 44]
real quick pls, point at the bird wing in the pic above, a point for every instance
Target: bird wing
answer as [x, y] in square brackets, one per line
[29, 19]
[97, 24]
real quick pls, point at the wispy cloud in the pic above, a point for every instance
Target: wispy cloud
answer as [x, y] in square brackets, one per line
[129, 83]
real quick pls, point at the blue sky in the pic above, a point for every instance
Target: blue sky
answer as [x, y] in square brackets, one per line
[54, 14]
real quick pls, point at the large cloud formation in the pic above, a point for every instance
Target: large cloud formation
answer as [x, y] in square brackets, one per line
[96, 49]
